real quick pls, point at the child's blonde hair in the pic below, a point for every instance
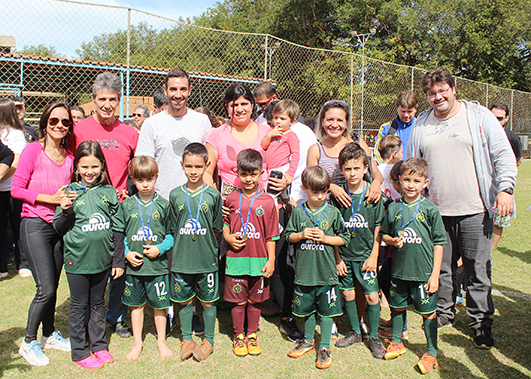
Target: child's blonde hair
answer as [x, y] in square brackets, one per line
[289, 107]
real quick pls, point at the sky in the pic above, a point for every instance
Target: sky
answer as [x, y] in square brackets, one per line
[65, 25]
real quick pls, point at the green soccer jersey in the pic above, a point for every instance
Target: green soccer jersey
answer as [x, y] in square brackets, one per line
[140, 227]
[315, 264]
[421, 231]
[195, 250]
[360, 224]
[89, 246]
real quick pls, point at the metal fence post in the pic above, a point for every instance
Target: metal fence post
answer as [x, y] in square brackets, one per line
[128, 62]
[265, 57]
[351, 87]
[412, 77]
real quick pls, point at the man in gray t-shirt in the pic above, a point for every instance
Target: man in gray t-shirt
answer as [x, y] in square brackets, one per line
[472, 176]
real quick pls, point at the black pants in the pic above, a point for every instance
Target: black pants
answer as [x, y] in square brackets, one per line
[87, 289]
[10, 209]
[45, 257]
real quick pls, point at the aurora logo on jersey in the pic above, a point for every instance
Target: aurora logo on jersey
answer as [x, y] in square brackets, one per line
[357, 221]
[142, 233]
[251, 231]
[96, 222]
[188, 228]
[410, 236]
[312, 245]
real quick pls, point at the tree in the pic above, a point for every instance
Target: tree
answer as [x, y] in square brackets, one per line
[41, 51]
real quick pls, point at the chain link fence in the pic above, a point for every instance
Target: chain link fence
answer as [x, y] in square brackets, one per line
[84, 40]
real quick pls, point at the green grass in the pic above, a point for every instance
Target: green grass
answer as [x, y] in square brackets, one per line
[458, 357]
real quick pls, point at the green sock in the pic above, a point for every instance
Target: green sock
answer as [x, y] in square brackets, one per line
[352, 313]
[430, 330]
[209, 318]
[374, 318]
[326, 332]
[309, 327]
[397, 319]
[186, 314]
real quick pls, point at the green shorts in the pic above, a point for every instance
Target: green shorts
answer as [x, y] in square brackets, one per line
[403, 293]
[139, 289]
[185, 286]
[326, 300]
[367, 279]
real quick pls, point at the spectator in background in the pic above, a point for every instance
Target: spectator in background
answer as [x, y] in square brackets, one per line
[406, 107]
[501, 111]
[160, 101]
[264, 93]
[140, 114]
[78, 113]
[30, 131]
[214, 120]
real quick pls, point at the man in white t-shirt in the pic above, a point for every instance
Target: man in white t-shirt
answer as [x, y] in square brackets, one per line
[472, 176]
[165, 135]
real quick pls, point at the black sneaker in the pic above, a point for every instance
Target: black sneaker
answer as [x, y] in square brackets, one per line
[123, 330]
[377, 349]
[365, 333]
[290, 329]
[197, 326]
[351, 338]
[483, 337]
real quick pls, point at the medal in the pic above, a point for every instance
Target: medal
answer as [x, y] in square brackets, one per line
[149, 242]
[244, 235]
[352, 207]
[146, 230]
[400, 230]
[401, 233]
[195, 222]
[353, 234]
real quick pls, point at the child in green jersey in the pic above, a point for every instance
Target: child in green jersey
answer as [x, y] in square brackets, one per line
[146, 243]
[360, 259]
[315, 228]
[91, 219]
[196, 222]
[415, 229]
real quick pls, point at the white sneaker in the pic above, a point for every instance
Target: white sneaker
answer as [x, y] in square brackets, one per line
[55, 341]
[32, 352]
[24, 272]
[3, 275]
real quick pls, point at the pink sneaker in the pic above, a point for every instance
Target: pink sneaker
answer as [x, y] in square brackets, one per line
[104, 356]
[90, 362]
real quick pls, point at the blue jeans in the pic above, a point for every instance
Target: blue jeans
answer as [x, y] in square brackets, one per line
[116, 310]
[469, 237]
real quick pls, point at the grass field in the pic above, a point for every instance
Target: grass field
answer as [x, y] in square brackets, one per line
[458, 358]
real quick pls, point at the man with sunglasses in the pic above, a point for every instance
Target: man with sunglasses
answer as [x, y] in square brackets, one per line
[264, 93]
[140, 114]
[472, 176]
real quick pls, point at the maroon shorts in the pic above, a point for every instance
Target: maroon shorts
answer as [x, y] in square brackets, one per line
[239, 289]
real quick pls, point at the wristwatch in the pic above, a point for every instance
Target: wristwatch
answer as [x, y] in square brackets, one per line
[510, 191]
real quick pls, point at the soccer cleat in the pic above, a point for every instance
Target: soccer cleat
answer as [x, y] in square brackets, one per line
[121, 329]
[365, 333]
[55, 341]
[239, 346]
[394, 350]
[104, 356]
[377, 349]
[302, 348]
[290, 329]
[90, 362]
[426, 363]
[335, 334]
[187, 349]
[483, 338]
[32, 352]
[388, 333]
[324, 359]
[203, 351]
[350, 338]
[253, 348]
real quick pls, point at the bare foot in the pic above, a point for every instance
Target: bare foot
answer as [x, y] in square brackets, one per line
[164, 351]
[134, 353]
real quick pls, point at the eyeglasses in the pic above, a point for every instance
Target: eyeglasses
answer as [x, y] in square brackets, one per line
[54, 121]
[441, 92]
[137, 114]
[266, 103]
[500, 118]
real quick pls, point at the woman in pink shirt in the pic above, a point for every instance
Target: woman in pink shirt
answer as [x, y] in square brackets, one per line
[44, 169]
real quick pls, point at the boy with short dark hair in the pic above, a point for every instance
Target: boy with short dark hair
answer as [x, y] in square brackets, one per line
[391, 151]
[147, 240]
[360, 259]
[315, 228]
[415, 228]
[196, 222]
[251, 229]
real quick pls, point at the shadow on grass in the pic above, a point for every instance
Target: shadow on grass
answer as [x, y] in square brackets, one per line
[9, 351]
[523, 256]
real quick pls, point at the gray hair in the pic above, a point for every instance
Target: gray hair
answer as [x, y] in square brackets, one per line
[108, 81]
[144, 107]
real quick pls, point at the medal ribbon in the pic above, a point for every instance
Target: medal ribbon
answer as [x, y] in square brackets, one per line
[198, 207]
[144, 230]
[359, 203]
[402, 215]
[244, 226]
[319, 219]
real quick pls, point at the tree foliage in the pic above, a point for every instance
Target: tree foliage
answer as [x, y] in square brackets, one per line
[40, 50]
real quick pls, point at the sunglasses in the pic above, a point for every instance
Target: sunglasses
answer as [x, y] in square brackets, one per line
[137, 114]
[54, 121]
[266, 103]
[500, 118]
